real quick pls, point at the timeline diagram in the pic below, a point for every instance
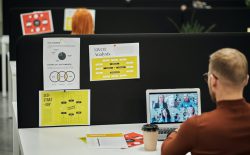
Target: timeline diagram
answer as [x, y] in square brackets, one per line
[71, 107]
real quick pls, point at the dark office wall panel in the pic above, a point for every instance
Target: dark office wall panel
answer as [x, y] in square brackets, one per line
[225, 19]
[108, 20]
[226, 3]
[158, 3]
[166, 61]
[10, 4]
[136, 20]
[178, 3]
[141, 20]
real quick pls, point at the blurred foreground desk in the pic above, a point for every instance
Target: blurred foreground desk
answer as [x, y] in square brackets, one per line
[65, 140]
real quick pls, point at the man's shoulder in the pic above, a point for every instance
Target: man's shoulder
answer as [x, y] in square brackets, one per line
[206, 116]
[248, 104]
[197, 122]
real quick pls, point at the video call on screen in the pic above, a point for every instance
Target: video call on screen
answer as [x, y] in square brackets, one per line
[172, 107]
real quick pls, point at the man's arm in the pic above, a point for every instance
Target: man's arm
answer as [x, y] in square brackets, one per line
[182, 141]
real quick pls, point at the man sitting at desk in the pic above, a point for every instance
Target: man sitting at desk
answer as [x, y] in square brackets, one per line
[225, 130]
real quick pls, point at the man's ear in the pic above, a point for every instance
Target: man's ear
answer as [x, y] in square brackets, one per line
[246, 80]
[213, 80]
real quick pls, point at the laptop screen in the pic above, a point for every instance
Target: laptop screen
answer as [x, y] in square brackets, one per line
[172, 107]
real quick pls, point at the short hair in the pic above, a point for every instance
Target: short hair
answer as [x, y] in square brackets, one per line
[82, 22]
[229, 64]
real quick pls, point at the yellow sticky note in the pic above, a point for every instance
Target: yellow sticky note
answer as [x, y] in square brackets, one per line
[71, 107]
[105, 135]
[114, 68]
[83, 139]
[69, 24]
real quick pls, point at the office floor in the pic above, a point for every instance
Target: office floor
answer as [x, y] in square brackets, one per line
[5, 128]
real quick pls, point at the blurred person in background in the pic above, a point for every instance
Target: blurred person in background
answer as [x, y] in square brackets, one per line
[82, 22]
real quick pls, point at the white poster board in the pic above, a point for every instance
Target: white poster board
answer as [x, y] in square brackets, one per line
[61, 63]
[114, 61]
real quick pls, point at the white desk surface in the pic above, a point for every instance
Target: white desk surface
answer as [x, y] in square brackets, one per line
[65, 140]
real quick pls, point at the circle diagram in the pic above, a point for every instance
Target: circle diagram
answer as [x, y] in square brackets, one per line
[36, 23]
[62, 76]
[61, 55]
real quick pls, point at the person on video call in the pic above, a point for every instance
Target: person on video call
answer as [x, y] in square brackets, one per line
[82, 22]
[225, 130]
[161, 110]
[185, 105]
[186, 102]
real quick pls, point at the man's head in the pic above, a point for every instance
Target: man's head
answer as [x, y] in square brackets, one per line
[186, 98]
[161, 98]
[228, 70]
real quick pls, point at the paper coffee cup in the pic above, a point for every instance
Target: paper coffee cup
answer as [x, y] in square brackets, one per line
[150, 136]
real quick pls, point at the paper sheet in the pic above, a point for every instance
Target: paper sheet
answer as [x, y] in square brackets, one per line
[68, 13]
[71, 107]
[114, 61]
[37, 22]
[114, 141]
[133, 139]
[61, 63]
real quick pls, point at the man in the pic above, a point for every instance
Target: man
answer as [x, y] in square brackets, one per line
[186, 102]
[225, 130]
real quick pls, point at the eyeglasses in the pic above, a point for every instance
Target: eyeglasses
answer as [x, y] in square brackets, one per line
[205, 77]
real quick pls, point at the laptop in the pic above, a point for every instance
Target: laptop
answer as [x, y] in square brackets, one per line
[168, 108]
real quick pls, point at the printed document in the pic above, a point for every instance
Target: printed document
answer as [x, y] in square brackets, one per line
[114, 61]
[61, 63]
[111, 141]
[71, 107]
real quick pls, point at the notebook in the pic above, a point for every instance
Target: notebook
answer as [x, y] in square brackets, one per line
[168, 108]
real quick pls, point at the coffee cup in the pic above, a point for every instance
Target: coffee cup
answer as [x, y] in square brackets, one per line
[150, 136]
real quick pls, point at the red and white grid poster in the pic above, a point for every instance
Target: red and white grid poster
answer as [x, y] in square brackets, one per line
[38, 22]
[133, 139]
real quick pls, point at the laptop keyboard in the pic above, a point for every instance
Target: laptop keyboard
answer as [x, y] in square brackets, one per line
[163, 132]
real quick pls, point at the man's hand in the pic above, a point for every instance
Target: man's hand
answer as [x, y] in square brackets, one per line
[176, 130]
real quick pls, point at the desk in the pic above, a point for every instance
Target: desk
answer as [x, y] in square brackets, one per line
[65, 140]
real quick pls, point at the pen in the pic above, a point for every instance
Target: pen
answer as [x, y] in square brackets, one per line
[98, 142]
